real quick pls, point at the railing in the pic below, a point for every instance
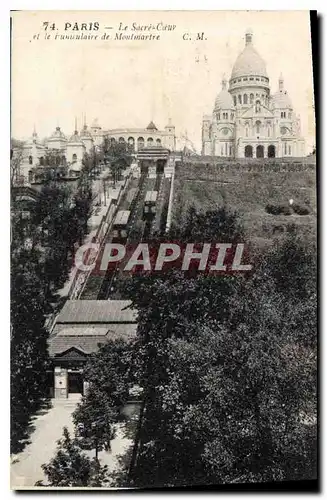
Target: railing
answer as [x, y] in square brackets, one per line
[170, 204]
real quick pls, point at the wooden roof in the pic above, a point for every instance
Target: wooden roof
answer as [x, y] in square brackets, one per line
[97, 311]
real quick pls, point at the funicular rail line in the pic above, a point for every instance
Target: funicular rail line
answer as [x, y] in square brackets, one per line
[139, 228]
[135, 207]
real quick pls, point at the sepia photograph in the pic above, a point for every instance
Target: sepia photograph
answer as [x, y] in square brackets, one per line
[163, 245]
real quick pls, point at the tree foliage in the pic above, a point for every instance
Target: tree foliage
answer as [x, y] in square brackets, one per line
[228, 366]
[42, 244]
[107, 376]
[118, 155]
[70, 467]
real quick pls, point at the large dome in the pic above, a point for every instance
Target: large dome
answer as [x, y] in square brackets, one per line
[249, 62]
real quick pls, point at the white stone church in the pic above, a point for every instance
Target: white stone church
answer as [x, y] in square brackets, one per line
[249, 121]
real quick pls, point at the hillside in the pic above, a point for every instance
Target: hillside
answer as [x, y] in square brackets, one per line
[248, 189]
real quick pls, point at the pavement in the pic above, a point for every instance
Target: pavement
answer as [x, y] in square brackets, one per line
[48, 425]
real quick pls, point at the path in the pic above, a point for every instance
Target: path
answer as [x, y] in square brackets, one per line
[26, 466]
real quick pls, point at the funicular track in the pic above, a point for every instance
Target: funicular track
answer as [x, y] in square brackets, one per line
[134, 206]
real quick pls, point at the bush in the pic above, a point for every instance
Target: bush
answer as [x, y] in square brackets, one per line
[301, 209]
[278, 209]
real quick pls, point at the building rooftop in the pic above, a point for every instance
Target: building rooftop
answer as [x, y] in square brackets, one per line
[88, 339]
[151, 126]
[84, 325]
[97, 311]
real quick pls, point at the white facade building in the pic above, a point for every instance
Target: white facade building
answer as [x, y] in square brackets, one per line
[248, 121]
[69, 151]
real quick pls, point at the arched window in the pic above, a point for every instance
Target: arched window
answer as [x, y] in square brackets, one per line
[257, 107]
[271, 151]
[158, 141]
[121, 140]
[251, 98]
[112, 140]
[42, 161]
[74, 157]
[57, 160]
[30, 160]
[248, 152]
[140, 142]
[149, 142]
[257, 127]
[240, 99]
[63, 160]
[235, 101]
[259, 151]
[245, 99]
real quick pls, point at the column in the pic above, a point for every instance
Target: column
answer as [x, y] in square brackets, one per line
[60, 382]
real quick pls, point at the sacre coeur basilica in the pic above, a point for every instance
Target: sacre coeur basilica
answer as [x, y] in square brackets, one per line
[247, 120]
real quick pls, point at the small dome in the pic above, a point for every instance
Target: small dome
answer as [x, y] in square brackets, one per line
[281, 100]
[75, 138]
[151, 126]
[95, 123]
[224, 100]
[58, 134]
[249, 62]
[85, 134]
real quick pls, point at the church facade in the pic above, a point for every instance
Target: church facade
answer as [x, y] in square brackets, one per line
[247, 120]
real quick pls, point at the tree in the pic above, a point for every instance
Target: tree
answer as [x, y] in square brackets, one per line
[107, 376]
[118, 155]
[40, 247]
[70, 467]
[227, 368]
[94, 418]
[16, 158]
[29, 354]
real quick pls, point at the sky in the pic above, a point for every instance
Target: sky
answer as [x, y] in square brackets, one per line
[127, 83]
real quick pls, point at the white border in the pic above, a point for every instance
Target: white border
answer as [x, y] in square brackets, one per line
[321, 6]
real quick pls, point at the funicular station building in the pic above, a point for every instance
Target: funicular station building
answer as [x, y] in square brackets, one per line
[80, 329]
